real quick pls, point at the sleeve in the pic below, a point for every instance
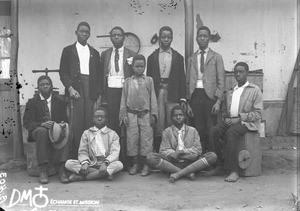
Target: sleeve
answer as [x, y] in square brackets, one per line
[196, 146]
[153, 100]
[181, 80]
[29, 118]
[165, 146]
[64, 69]
[220, 78]
[99, 74]
[187, 79]
[114, 148]
[123, 107]
[83, 151]
[149, 66]
[224, 112]
[256, 111]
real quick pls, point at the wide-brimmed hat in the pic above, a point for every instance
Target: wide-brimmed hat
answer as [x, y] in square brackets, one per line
[59, 135]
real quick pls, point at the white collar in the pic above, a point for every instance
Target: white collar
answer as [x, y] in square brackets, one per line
[237, 87]
[78, 45]
[120, 50]
[49, 98]
[205, 50]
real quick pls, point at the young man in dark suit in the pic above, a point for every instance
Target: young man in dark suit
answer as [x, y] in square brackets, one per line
[41, 113]
[205, 85]
[81, 74]
[116, 63]
[166, 67]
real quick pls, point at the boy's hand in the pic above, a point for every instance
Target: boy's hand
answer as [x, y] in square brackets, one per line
[215, 109]
[84, 169]
[48, 125]
[189, 110]
[102, 169]
[153, 120]
[126, 121]
[177, 154]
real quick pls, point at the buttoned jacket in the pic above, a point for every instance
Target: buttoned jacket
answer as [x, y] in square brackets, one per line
[213, 75]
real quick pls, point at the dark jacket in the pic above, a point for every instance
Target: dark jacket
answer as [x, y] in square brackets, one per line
[176, 88]
[69, 71]
[35, 113]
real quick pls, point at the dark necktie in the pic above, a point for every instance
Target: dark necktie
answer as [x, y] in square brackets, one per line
[47, 111]
[202, 61]
[117, 60]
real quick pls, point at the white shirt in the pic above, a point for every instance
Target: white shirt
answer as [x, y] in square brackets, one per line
[84, 58]
[200, 74]
[180, 138]
[112, 71]
[98, 145]
[235, 101]
[48, 102]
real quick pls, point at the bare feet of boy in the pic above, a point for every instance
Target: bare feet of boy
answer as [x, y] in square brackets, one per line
[233, 177]
[173, 178]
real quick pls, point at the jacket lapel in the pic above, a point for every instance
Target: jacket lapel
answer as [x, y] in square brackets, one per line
[74, 50]
[174, 56]
[195, 63]
[209, 56]
[107, 60]
[125, 56]
[156, 61]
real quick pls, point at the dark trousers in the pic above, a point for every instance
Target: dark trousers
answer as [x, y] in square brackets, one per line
[113, 105]
[226, 139]
[44, 150]
[82, 114]
[204, 120]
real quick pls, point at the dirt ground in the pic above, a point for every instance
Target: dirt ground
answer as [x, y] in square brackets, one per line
[270, 191]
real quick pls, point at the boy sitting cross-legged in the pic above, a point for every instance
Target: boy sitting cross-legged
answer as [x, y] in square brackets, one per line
[98, 153]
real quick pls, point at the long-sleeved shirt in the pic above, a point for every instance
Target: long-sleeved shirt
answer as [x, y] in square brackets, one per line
[98, 143]
[191, 140]
[250, 106]
[138, 95]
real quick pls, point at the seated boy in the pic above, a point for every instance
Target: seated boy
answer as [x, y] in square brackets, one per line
[98, 153]
[180, 149]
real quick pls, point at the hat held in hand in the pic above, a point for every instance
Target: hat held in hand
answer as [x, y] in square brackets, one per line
[59, 135]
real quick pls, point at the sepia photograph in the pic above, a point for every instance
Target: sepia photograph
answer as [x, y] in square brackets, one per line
[149, 105]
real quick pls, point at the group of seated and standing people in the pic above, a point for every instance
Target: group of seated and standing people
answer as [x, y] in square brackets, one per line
[153, 109]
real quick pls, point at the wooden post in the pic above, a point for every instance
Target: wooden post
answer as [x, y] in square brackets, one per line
[17, 127]
[189, 29]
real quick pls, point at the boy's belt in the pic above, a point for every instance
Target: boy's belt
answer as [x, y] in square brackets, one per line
[139, 113]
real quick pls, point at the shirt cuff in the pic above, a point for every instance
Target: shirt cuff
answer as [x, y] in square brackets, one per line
[182, 99]
[84, 162]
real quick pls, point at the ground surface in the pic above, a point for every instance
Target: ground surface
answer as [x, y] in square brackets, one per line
[271, 191]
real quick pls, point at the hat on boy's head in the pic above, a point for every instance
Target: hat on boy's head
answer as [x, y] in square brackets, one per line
[59, 135]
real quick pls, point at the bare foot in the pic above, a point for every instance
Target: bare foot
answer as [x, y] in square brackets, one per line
[233, 177]
[173, 178]
[191, 176]
[76, 177]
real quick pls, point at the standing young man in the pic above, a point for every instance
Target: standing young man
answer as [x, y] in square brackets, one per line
[116, 63]
[205, 85]
[166, 67]
[81, 74]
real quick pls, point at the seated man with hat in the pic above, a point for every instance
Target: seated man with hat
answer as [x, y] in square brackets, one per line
[45, 119]
[98, 153]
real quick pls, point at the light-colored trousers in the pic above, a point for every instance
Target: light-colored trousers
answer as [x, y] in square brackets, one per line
[75, 166]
